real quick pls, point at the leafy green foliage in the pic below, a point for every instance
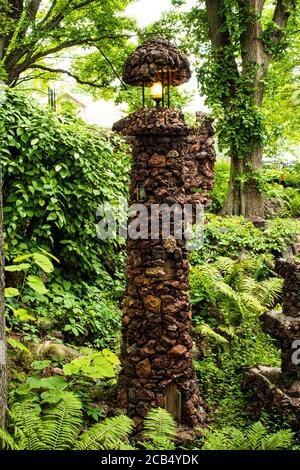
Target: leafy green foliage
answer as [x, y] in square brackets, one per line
[233, 236]
[56, 174]
[98, 365]
[32, 31]
[229, 296]
[59, 427]
[219, 193]
[82, 314]
[159, 430]
[255, 437]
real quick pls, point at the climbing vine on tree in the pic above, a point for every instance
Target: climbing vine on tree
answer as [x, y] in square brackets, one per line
[235, 43]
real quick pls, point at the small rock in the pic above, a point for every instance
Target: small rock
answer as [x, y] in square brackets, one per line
[178, 350]
[158, 160]
[143, 368]
[155, 272]
[170, 244]
[152, 303]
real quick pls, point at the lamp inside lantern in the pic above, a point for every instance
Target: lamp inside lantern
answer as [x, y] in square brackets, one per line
[157, 92]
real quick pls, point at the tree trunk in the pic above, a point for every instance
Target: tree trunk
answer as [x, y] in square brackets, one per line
[3, 365]
[244, 196]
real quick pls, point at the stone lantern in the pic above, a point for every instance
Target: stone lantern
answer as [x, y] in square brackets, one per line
[169, 161]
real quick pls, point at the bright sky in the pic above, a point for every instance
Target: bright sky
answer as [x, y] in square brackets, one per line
[148, 11]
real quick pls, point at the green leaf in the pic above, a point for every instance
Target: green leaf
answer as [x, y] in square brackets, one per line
[23, 389]
[11, 292]
[18, 267]
[22, 258]
[43, 262]
[67, 285]
[40, 365]
[37, 284]
[16, 344]
[49, 255]
[34, 141]
[52, 396]
[70, 369]
[51, 383]
[22, 315]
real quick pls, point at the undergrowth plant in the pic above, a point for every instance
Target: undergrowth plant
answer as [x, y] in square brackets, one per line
[254, 437]
[228, 298]
[59, 427]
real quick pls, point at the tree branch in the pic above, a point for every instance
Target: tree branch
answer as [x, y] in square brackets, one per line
[73, 43]
[281, 16]
[112, 67]
[33, 8]
[82, 82]
[48, 14]
[62, 14]
[13, 59]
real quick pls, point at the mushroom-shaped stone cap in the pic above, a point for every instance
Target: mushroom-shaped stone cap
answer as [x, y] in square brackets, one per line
[146, 64]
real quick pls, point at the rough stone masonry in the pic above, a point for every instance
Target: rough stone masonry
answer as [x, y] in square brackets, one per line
[280, 387]
[169, 161]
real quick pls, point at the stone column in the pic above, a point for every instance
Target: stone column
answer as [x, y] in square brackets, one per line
[157, 367]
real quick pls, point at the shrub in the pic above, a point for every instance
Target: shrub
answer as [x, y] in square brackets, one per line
[232, 236]
[56, 174]
[228, 297]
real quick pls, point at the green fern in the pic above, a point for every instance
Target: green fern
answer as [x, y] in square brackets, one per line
[28, 425]
[59, 428]
[206, 330]
[159, 430]
[7, 440]
[234, 288]
[255, 437]
[61, 423]
[106, 435]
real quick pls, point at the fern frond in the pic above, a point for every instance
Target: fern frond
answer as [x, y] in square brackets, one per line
[159, 424]
[106, 435]
[268, 292]
[61, 423]
[225, 265]
[228, 438]
[250, 304]
[255, 435]
[120, 445]
[229, 330]
[282, 439]
[206, 330]
[7, 440]
[158, 444]
[28, 424]
[245, 284]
